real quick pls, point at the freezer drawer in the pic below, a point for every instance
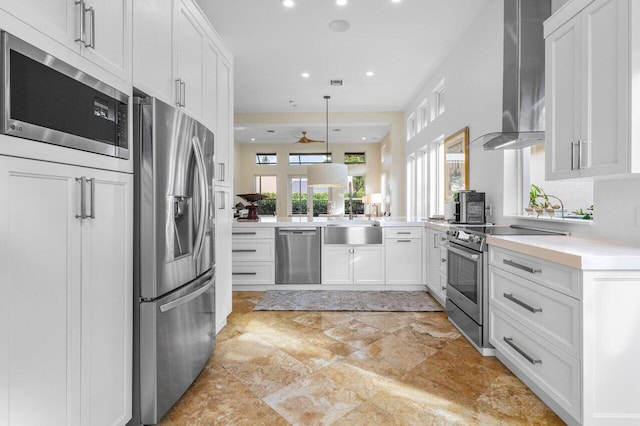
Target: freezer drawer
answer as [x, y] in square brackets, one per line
[177, 337]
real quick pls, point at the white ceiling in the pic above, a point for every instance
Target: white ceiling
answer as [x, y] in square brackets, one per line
[291, 133]
[402, 43]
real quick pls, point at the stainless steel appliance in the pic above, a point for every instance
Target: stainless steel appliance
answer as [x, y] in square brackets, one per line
[298, 255]
[469, 207]
[467, 302]
[50, 101]
[174, 256]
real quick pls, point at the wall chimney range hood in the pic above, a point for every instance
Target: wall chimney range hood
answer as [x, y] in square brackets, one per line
[523, 77]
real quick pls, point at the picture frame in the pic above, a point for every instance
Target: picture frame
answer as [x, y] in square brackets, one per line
[456, 163]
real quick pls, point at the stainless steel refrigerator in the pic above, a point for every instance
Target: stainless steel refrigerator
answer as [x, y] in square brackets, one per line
[174, 332]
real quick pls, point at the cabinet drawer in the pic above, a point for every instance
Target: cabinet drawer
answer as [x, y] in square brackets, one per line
[558, 277]
[403, 232]
[252, 233]
[253, 251]
[553, 315]
[247, 273]
[554, 371]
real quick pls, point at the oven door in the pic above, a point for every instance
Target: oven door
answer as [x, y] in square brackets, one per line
[464, 280]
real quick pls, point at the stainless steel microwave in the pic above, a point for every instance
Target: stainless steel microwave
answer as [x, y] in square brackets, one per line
[48, 100]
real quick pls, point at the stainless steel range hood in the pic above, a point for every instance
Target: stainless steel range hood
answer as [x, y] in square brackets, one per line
[523, 76]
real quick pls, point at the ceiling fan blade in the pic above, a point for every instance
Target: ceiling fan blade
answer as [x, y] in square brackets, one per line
[305, 139]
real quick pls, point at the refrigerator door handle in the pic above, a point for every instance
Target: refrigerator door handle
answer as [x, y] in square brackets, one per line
[197, 149]
[179, 302]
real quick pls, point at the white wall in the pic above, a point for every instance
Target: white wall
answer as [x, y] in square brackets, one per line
[473, 90]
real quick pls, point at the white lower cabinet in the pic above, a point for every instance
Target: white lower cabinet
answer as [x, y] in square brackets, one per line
[403, 256]
[348, 264]
[253, 255]
[436, 265]
[569, 334]
[66, 295]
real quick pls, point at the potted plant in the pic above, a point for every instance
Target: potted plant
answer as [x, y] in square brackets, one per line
[535, 192]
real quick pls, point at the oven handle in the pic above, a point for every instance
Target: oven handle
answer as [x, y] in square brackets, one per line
[463, 253]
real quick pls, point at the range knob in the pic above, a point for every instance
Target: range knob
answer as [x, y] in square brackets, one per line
[477, 239]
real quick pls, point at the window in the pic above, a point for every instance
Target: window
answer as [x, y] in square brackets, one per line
[358, 191]
[411, 126]
[299, 159]
[298, 195]
[320, 199]
[423, 115]
[436, 177]
[575, 196]
[354, 158]
[266, 158]
[438, 107]
[411, 160]
[266, 185]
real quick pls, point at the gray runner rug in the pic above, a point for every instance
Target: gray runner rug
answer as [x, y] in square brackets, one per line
[341, 300]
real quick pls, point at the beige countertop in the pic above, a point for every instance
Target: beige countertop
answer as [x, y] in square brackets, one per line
[576, 252]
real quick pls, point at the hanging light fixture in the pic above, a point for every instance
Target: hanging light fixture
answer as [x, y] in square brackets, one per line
[327, 174]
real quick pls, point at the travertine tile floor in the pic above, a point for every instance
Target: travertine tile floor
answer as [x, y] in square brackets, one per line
[351, 368]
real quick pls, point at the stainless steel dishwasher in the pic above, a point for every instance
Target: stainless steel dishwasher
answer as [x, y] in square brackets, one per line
[298, 255]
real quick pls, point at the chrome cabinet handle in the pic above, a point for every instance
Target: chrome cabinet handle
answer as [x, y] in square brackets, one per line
[403, 233]
[178, 92]
[443, 288]
[243, 233]
[522, 267]
[92, 183]
[526, 356]
[442, 260]
[83, 207]
[221, 169]
[223, 203]
[244, 251]
[81, 23]
[244, 273]
[435, 242]
[403, 241]
[521, 303]
[183, 93]
[573, 155]
[580, 143]
[92, 12]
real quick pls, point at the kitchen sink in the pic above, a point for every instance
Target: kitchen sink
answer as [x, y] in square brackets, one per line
[353, 232]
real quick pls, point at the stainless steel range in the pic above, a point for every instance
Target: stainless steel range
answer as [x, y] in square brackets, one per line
[467, 278]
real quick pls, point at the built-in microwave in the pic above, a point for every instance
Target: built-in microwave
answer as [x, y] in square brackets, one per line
[48, 100]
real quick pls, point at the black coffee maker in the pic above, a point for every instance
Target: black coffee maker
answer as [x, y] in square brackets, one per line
[469, 207]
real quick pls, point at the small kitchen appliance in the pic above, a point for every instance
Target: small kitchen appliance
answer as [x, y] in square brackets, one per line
[469, 208]
[252, 199]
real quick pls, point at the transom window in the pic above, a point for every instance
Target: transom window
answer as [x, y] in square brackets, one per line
[263, 158]
[300, 159]
[354, 158]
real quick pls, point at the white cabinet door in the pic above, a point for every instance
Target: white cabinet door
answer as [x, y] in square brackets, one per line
[337, 264]
[109, 36]
[59, 19]
[153, 48]
[190, 40]
[563, 100]
[588, 93]
[434, 257]
[68, 289]
[224, 136]
[107, 297]
[40, 293]
[368, 265]
[210, 88]
[403, 261]
[606, 84]
[224, 222]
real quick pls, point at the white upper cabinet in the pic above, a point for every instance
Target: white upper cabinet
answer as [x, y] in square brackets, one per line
[152, 48]
[589, 89]
[100, 30]
[190, 41]
[224, 132]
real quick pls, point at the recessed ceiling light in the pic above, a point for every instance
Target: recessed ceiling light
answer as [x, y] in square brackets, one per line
[253, 139]
[288, 3]
[339, 25]
[364, 139]
[341, 2]
[369, 73]
[305, 75]
[396, 1]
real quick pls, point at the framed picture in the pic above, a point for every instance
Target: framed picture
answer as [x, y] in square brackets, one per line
[456, 163]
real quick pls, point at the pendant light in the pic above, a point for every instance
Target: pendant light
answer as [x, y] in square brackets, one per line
[327, 174]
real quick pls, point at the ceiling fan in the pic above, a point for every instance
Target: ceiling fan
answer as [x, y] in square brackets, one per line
[305, 139]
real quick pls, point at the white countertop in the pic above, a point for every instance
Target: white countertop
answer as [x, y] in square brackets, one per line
[576, 252]
[272, 221]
